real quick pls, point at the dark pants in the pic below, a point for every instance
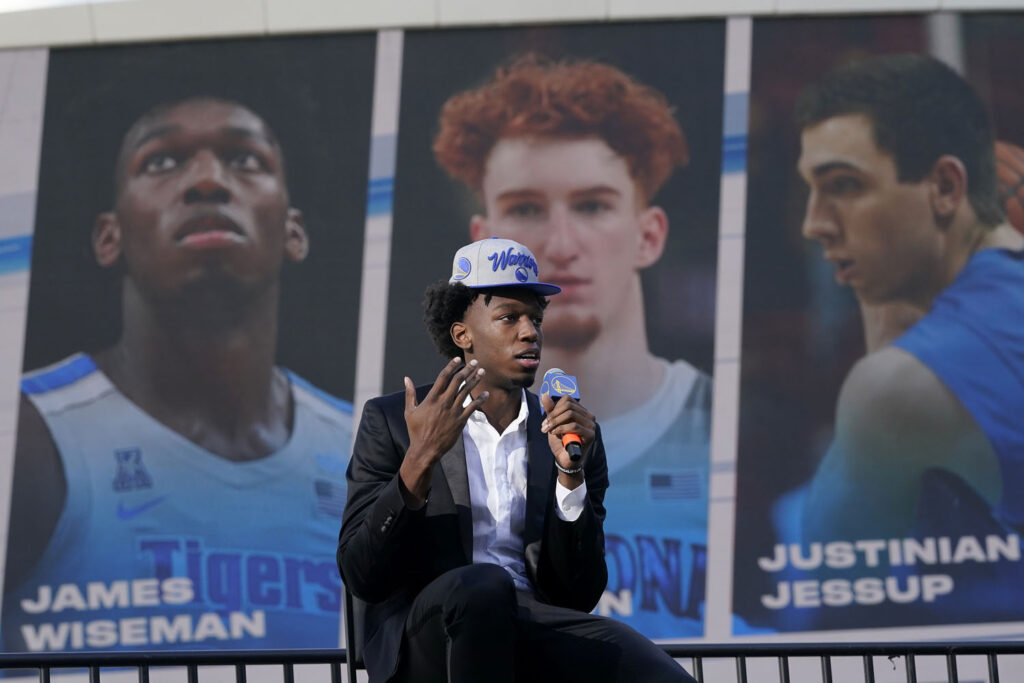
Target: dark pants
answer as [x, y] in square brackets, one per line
[471, 625]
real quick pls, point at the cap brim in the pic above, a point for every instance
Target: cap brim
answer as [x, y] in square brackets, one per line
[542, 288]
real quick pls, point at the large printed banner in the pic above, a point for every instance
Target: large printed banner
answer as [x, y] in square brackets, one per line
[185, 416]
[599, 148]
[881, 394]
[184, 412]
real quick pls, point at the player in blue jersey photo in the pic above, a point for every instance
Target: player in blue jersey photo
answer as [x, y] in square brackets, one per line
[180, 489]
[567, 157]
[910, 224]
[897, 152]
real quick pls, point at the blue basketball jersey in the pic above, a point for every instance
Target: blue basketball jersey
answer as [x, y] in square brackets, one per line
[164, 545]
[973, 340]
[657, 503]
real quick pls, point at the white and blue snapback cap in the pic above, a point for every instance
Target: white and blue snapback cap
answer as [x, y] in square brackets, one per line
[497, 262]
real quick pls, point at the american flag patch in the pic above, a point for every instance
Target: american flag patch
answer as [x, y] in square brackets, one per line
[675, 485]
[330, 497]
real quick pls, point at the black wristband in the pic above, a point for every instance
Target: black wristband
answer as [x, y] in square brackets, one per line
[575, 470]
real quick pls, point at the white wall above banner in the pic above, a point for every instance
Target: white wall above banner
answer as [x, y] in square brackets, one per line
[29, 5]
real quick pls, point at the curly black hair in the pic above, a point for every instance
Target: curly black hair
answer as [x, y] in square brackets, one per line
[444, 304]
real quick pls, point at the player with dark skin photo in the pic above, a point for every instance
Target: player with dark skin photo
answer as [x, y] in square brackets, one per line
[200, 229]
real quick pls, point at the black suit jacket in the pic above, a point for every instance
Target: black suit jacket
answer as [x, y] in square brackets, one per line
[387, 552]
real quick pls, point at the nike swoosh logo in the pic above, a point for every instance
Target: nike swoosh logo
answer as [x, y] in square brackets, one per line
[125, 512]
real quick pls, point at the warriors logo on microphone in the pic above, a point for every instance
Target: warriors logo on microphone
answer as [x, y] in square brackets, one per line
[557, 384]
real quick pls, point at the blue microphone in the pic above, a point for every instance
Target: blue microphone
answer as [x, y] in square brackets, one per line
[557, 384]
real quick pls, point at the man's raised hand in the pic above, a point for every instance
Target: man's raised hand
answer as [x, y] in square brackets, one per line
[436, 423]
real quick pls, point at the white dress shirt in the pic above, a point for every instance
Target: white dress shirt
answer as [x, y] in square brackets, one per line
[497, 469]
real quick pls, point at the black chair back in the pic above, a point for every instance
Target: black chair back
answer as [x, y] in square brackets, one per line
[355, 613]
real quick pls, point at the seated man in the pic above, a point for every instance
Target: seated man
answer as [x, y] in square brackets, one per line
[478, 561]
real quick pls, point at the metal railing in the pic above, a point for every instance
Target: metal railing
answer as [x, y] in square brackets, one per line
[94, 662]
[783, 652]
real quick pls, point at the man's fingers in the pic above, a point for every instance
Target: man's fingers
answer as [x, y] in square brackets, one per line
[444, 377]
[473, 405]
[471, 379]
[458, 383]
[563, 405]
[410, 395]
[567, 413]
[557, 411]
[547, 403]
[585, 432]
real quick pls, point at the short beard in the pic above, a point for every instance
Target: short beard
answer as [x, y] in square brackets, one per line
[524, 383]
[567, 331]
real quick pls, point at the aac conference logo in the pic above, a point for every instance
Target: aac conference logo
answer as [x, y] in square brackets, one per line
[462, 268]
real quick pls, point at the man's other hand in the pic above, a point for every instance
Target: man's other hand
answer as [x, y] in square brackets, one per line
[568, 416]
[435, 424]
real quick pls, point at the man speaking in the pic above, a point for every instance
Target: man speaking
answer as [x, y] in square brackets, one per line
[476, 539]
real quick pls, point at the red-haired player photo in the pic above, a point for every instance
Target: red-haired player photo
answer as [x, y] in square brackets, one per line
[599, 149]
